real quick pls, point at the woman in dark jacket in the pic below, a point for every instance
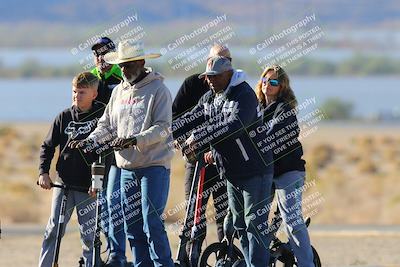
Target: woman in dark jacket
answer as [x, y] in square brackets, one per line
[280, 108]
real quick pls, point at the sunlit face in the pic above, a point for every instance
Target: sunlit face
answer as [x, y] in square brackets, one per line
[131, 70]
[101, 65]
[83, 97]
[219, 82]
[269, 88]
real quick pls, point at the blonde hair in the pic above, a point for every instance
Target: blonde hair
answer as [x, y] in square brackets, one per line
[85, 80]
[285, 93]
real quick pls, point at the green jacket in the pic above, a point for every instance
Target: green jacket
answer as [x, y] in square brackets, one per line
[107, 82]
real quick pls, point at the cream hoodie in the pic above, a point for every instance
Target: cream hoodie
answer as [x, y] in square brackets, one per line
[144, 111]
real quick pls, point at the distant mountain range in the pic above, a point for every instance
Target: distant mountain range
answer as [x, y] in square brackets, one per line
[350, 13]
[65, 23]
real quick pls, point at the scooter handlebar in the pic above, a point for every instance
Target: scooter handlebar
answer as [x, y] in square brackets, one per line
[68, 187]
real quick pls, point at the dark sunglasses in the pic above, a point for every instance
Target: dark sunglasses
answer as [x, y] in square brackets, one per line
[102, 53]
[273, 82]
[126, 64]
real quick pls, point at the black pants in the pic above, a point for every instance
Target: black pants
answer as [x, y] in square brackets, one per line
[212, 185]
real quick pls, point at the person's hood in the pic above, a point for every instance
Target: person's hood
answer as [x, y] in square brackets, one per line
[238, 77]
[77, 114]
[151, 76]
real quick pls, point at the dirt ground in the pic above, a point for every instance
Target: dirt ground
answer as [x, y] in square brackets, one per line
[336, 248]
[20, 244]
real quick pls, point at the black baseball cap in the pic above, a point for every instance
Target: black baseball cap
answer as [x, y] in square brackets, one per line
[105, 42]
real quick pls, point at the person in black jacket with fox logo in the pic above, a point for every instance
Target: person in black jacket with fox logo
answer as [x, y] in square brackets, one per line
[224, 118]
[279, 103]
[73, 166]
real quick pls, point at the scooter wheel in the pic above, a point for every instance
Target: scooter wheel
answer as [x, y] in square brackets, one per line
[239, 263]
[216, 255]
[291, 261]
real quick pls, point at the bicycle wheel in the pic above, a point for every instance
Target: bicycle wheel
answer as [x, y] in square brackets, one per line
[317, 260]
[291, 261]
[218, 252]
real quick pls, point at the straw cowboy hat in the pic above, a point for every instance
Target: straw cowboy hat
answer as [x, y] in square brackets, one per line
[128, 50]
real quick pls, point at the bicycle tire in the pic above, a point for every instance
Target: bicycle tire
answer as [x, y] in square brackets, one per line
[292, 261]
[317, 260]
[220, 251]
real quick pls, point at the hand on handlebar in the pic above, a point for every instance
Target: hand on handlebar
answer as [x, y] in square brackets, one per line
[81, 143]
[45, 181]
[208, 158]
[123, 143]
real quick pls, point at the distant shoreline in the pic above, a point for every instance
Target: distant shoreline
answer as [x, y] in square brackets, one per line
[367, 65]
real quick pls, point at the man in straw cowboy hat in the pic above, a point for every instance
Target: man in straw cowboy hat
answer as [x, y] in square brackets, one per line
[113, 226]
[136, 121]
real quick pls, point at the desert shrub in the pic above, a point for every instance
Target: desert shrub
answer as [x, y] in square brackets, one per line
[365, 141]
[367, 166]
[367, 146]
[387, 140]
[322, 154]
[15, 202]
[28, 149]
[391, 153]
[7, 131]
[352, 157]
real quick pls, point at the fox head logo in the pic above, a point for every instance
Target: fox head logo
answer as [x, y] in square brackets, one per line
[76, 128]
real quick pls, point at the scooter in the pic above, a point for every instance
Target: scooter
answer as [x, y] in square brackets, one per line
[187, 234]
[98, 171]
[65, 188]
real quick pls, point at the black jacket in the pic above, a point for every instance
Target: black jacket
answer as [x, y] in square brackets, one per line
[190, 92]
[284, 133]
[225, 124]
[73, 165]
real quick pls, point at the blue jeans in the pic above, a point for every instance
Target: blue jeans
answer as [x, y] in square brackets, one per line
[289, 197]
[247, 197]
[144, 196]
[116, 234]
[85, 212]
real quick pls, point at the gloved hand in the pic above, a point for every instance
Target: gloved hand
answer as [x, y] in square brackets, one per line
[208, 157]
[123, 143]
[84, 143]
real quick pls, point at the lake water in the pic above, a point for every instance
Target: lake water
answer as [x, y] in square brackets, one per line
[58, 56]
[41, 100]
